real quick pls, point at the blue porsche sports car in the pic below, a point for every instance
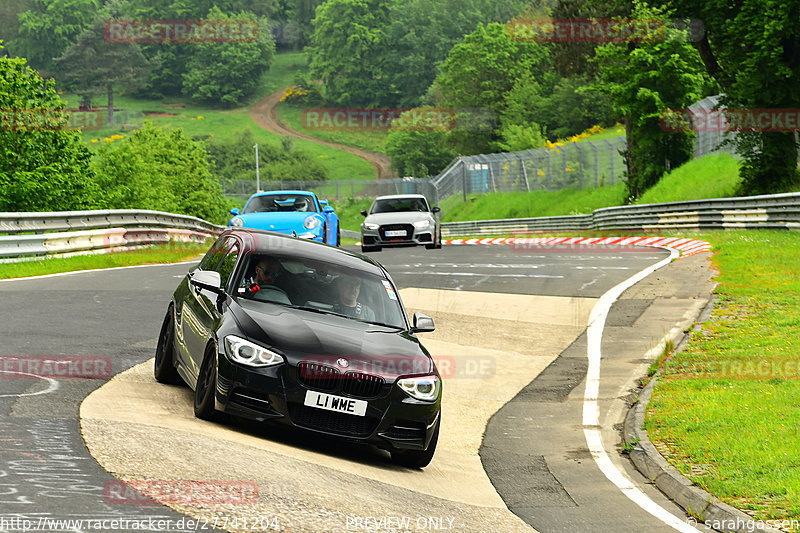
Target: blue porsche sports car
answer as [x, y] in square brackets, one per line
[298, 213]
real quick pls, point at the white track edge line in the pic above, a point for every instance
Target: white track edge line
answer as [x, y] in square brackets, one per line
[591, 411]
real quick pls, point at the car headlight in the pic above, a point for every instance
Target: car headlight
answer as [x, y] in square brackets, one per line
[247, 353]
[311, 222]
[369, 225]
[421, 224]
[237, 222]
[422, 388]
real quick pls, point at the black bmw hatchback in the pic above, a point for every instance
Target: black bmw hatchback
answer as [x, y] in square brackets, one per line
[273, 328]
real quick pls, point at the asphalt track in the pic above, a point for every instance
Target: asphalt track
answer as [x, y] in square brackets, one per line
[533, 451]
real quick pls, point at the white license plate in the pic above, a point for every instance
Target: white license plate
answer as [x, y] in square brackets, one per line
[396, 233]
[338, 404]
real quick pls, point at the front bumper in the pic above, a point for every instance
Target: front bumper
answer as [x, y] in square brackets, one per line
[393, 420]
[384, 235]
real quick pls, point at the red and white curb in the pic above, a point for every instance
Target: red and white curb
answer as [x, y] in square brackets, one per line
[686, 247]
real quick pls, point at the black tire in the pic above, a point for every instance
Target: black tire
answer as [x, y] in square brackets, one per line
[417, 458]
[164, 368]
[338, 237]
[206, 385]
[430, 246]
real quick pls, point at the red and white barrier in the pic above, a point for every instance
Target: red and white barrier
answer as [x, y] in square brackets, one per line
[686, 247]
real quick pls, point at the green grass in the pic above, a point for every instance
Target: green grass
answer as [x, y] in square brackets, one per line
[169, 253]
[720, 179]
[611, 131]
[726, 406]
[281, 73]
[375, 141]
[199, 120]
[531, 204]
[711, 176]
[349, 212]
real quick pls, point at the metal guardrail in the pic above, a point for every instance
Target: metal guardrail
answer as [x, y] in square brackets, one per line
[31, 234]
[776, 211]
[69, 232]
[14, 223]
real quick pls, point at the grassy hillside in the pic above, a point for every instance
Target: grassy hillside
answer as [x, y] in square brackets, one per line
[200, 120]
[711, 176]
[374, 140]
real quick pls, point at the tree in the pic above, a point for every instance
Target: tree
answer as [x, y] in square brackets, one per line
[226, 73]
[43, 166]
[422, 32]
[160, 169]
[348, 50]
[573, 58]
[234, 161]
[480, 73]
[568, 109]
[175, 60]
[93, 64]
[750, 47]
[643, 81]
[9, 18]
[49, 27]
[420, 153]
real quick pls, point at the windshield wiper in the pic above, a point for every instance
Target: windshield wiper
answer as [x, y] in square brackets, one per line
[392, 326]
[316, 310]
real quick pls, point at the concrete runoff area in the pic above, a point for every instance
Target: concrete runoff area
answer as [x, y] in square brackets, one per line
[553, 482]
[138, 429]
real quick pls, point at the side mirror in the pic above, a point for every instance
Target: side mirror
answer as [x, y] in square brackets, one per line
[235, 211]
[207, 279]
[435, 209]
[327, 209]
[363, 212]
[323, 202]
[422, 323]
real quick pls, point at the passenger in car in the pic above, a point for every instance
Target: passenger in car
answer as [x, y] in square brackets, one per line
[347, 291]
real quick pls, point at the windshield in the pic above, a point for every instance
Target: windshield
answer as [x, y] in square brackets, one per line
[321, 287]
[398, 205]
[281, 202]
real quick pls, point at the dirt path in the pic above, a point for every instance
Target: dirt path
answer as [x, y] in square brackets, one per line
[265, 114]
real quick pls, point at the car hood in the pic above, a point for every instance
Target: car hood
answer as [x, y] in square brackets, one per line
[406, 217]
[323, 338]
[276, 220]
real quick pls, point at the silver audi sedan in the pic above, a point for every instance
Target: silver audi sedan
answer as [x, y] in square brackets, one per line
[398, 220]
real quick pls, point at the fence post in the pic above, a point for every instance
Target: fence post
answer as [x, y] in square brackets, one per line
[596, 164]
[491, 175]
[525, 175]
[549, 157]
[611, 158]
[464, 179]
[580, 163]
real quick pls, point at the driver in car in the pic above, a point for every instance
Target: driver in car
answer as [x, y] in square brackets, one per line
[269, 279]
[347, 289]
